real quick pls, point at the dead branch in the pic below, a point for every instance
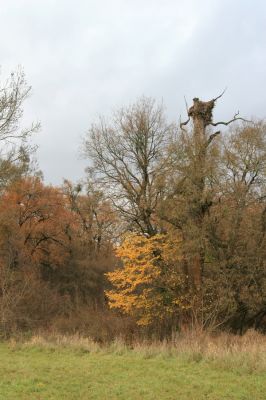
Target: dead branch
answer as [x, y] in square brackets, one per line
[220, 95]
[187, 121]
[186, 103]
[212, 136]
[184, 123]
[235, 118]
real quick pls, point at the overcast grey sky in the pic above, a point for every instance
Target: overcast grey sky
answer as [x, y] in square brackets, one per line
[87, 57]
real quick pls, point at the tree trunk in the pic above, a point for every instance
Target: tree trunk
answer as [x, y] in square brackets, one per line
[201, 114]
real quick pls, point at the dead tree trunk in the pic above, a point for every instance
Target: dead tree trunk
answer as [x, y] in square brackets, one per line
[201, 114]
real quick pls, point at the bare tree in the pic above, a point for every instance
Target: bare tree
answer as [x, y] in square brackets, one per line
[201, 113]
[13, 93]
[14, 149]
[126, 154]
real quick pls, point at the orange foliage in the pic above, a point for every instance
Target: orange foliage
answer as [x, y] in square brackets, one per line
[150, 285]
[35, 224]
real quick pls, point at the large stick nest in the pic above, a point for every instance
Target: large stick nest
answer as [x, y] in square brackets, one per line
[202, 110]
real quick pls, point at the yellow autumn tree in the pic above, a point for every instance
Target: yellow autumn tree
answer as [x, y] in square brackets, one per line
[150, 284]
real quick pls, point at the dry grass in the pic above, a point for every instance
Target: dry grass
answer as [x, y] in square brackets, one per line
[228, 351]
[225, 350]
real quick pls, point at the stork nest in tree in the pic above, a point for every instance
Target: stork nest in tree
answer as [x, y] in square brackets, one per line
[202, 110]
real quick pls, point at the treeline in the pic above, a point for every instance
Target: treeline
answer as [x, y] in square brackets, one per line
[166, 233]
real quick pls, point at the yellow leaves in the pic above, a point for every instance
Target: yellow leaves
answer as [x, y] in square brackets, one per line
[149, 285]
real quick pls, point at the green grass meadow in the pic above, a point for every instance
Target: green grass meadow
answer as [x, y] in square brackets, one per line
[66, 373]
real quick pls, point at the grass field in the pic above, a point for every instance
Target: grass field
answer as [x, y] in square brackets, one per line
[46, 372]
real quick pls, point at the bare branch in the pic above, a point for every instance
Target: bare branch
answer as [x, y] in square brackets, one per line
[231, 120]
[220, 95]
[212, 136]
[181, 124]
[184, 123]
[186, 103]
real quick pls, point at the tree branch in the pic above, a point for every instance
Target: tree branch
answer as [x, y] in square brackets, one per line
[212, 136]
[184, 123]
[235, 118]
[220, 95]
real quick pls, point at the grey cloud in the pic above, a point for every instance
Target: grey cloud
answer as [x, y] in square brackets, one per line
[85, 58]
